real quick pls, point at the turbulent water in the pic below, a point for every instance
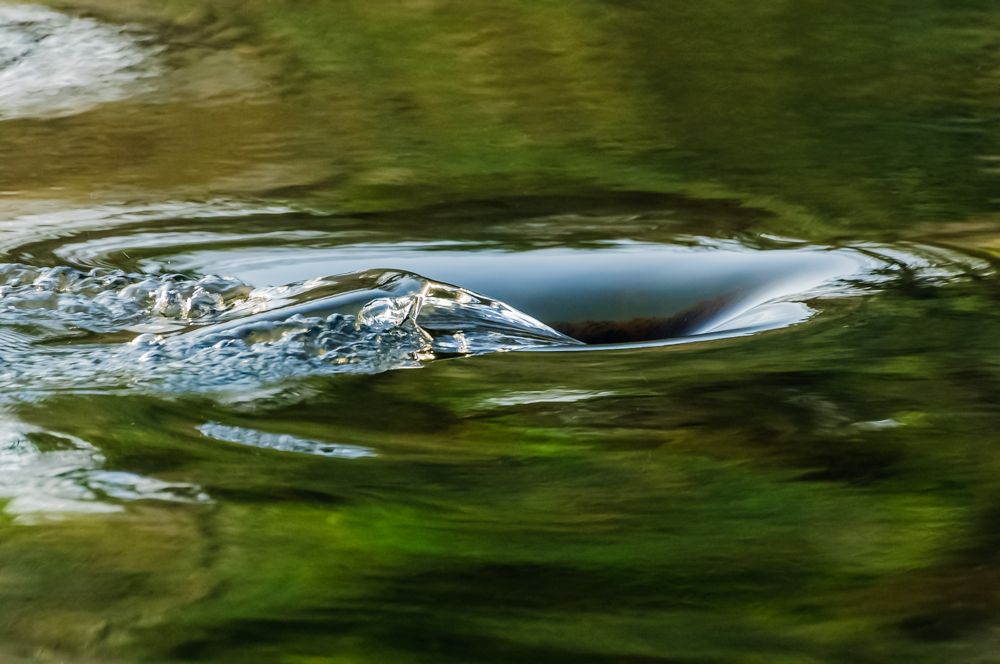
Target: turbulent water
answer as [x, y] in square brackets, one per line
[216, 334]
[65, 330]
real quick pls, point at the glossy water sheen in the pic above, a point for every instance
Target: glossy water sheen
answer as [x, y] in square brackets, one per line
[704, 285]
[432, 331]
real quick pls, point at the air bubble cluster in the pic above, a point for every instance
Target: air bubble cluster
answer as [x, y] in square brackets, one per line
[104, 300]
[216, 335]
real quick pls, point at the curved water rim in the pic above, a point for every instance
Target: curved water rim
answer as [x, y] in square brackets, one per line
[622, 294]
[600, 292]
[233, 301]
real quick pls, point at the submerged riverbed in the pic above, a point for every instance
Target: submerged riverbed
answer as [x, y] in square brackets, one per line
[422, 331]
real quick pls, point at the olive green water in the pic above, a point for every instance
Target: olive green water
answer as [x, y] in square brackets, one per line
[825, 493]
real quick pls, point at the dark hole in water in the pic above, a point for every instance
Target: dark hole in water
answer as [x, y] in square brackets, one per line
[633, 292]
[637, 330]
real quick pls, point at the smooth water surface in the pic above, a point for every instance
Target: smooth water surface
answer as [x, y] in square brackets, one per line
[565, 331]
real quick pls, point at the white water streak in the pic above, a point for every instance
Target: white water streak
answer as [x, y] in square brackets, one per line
[54, 65]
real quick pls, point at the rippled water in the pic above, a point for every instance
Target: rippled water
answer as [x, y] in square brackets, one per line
[168, 333]
[430, 332]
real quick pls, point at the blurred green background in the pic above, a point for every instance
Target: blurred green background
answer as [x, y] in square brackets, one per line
[827, 493]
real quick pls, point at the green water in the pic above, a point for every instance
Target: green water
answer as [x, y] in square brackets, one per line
[825, 493]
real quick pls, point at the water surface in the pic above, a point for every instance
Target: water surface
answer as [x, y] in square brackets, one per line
[423, 331]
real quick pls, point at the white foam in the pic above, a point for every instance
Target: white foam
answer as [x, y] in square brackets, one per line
[41, 485]
[54, 65]
[283, 442]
